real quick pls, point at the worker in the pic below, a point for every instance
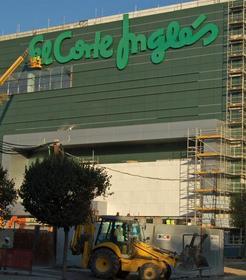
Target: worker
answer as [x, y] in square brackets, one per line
[170, 221]
[57, 148]
[118, 234]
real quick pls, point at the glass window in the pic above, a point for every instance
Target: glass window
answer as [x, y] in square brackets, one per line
[23, 83]
[104, 232]
[66, 77]
[13, 86]
[136, 232]
[39, 80]
[4, 88]
[30, 82]
[44, 81]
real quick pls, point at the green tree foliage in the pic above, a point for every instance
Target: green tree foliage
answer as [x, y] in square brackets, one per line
[8, 196]
[238, 214]
[238, 210]
[59, 191]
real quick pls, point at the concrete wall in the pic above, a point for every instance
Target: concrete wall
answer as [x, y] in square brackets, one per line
[141, 196]
[213, 247]
[15, 164]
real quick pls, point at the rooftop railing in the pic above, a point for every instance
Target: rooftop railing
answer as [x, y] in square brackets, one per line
[99, 20]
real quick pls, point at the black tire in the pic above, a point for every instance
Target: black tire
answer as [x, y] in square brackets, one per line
[104, 264]
[122, 274]
[167, 273]
[149, 271]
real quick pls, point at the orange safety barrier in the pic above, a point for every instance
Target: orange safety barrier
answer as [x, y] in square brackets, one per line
[16, 258]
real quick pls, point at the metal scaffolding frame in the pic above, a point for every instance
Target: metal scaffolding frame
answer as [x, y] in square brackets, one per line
[209, 177]
[217, 158]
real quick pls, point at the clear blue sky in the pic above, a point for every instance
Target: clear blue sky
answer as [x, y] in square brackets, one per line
[26, 15]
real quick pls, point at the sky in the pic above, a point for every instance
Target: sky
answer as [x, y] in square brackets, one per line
[26, 15]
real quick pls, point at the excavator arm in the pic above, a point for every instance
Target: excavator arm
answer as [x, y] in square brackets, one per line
[34, 63]
[12, 68]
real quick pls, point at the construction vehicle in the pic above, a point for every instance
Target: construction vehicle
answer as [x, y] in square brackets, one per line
[34, 63]
[191, 255]
[114, 247]
[12, 68]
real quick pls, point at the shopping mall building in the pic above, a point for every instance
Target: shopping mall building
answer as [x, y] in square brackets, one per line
[155, 96]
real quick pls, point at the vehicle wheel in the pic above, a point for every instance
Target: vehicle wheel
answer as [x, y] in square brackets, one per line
[122, 274]
[149, 271]
[104, 264]
[167, 273]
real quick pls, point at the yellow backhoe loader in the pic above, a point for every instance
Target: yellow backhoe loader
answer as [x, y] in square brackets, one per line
[114, 247]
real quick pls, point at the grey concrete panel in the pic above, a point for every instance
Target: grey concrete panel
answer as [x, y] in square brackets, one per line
[171, 237]
[119, 134]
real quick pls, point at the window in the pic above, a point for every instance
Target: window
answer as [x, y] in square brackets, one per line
[149, 220]
[39, 80]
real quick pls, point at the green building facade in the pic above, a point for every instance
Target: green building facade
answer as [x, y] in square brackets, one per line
[120, 89]
[188, 85]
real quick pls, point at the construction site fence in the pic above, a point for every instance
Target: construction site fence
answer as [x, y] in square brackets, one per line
[16, 258]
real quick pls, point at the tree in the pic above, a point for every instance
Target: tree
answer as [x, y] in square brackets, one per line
[238, 212]
[8, 196]
[59, 190]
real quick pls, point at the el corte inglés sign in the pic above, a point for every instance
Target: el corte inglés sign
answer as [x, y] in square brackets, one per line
[159, 42]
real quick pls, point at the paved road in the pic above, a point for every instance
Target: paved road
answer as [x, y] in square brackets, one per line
[40, 273]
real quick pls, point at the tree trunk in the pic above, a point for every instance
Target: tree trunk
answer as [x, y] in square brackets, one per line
[244, 246]
[65, 248]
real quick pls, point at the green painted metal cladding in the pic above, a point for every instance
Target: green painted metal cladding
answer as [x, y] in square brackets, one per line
[159, 41]
[188, 85]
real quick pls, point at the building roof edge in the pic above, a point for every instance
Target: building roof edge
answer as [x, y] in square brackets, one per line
[113, 18]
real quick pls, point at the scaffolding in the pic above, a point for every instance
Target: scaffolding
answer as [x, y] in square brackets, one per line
[217, 158]
[236, 98]
[213, 175]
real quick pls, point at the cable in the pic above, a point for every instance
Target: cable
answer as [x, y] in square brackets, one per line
[130, 174]
[15, 149]
[14, 145]
[12, 150]
[140, 176]
[8, 152]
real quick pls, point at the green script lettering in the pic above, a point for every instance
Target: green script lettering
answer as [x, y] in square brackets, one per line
[159, 42]
[176, 38]
[47, 52]
[34, 49]
[58, 47]
[129, 43]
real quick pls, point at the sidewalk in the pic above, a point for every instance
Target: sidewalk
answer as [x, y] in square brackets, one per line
[235, 270]
[46, 273]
